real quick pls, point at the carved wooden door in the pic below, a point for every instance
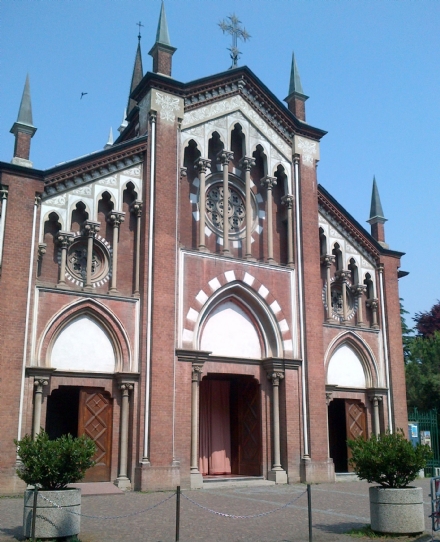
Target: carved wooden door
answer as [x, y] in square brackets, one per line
[356, 423]
[95, 421]
[249, 428]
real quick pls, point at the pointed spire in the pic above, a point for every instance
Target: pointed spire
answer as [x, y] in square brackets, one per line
[162, 34]
[376, 210]
[295, 79]
[377, 219]
[23, 129]
[162, 51]
[136, 76]
[110, 139]
[124, 122]
[296, 98]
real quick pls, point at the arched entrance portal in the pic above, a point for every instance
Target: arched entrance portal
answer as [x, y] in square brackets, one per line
[84, 411]
[230, 426]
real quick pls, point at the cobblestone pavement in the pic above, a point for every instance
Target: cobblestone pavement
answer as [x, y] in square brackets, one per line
[337, 508]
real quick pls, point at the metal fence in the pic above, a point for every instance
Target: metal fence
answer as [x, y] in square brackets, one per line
[428, 421]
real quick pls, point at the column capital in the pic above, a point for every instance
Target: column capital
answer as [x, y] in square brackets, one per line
[358, 289]
[287, 200]
[296, 158]
[42, 247]
[375, 398]
[152, 117]
[183, 172]
[276, 376]
[373, 303]
[64, 238]
[202, 164]
[328, 397]
[269, 181]
[91, 228]
[37, 200]
[136, 207]
[328, 259]
[115, 218]
[380, 267]
[247, 162]
[343, 275]
[40, 381]
[126, 386]
[196, 369]
[225, 157]
[3, 193]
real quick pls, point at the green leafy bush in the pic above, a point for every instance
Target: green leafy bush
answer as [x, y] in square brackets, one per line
[389, 460]
[52, 464]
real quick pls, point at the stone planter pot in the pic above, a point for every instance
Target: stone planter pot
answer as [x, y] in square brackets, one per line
[397, 510]
[51, 522]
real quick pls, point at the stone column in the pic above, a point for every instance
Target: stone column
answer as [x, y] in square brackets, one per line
[90, 229]
[277, 474]
[247, 162]
[327, 260]
[39, 383]
[269, 182]
[196, 479]
[288, 202]
[202, 164]
[373, 305]
[123, 481]
[225, 157]
[115, 219]
[376, 399]
[64, 239]
[136, 209]
[342, 275]
[358, 290]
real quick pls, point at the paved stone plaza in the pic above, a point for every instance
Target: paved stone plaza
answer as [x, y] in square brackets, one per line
[336, 509]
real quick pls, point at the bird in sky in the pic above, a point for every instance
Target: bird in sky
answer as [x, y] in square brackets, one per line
[83, 94]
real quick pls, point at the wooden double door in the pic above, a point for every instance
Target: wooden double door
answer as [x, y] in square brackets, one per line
[84, 411]
[230, 426]
[346, 421]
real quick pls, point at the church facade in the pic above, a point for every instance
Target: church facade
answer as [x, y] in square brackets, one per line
[189, 344]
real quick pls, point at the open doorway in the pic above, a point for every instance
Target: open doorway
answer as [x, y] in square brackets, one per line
[84, 411]
[346, 420]
[230, 426]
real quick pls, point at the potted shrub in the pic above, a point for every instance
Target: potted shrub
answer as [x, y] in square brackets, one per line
[49, 466]
[391, 461]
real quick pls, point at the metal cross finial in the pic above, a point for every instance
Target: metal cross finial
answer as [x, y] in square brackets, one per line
[231, 27]
[139, 24]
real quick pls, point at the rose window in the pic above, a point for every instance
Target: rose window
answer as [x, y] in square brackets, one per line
[76, 262]
[215, 205]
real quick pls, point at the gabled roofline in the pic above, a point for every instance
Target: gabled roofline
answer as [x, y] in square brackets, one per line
[234, 81]
[94, 165]
[353, 226]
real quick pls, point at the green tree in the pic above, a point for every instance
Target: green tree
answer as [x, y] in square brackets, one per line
[423, 372]
[422, 359]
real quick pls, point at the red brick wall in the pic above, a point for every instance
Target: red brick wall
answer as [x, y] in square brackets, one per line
[14, 286]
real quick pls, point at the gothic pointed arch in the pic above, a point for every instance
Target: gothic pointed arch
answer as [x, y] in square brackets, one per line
[349, 362]
[237, 322]
[86, 329]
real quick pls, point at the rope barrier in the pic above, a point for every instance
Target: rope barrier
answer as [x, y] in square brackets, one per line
[233, 516]
[109, 517]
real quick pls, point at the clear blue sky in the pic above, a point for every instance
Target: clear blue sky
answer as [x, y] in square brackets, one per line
[370, 67]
